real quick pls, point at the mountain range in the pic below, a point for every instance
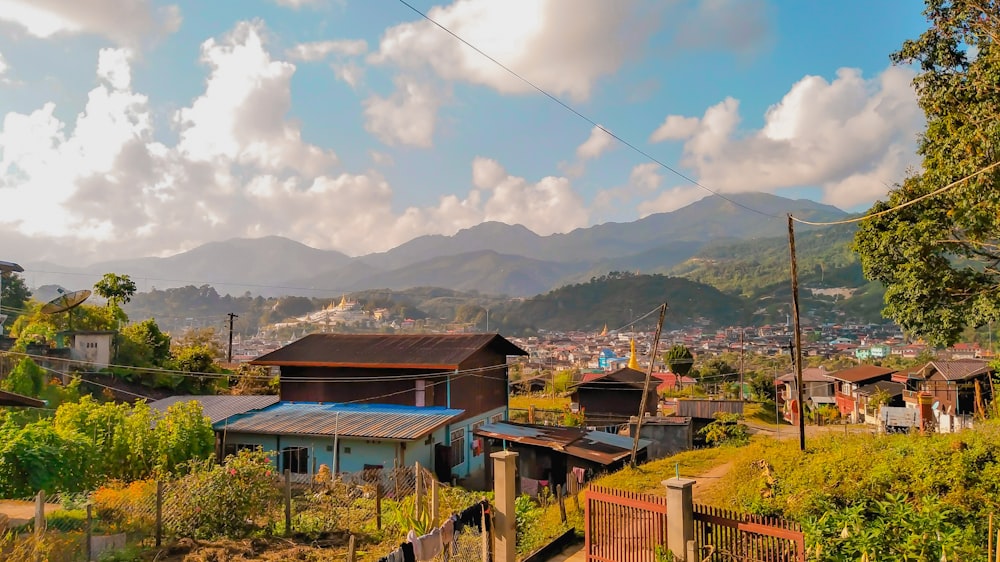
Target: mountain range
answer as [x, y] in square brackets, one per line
[491, 258]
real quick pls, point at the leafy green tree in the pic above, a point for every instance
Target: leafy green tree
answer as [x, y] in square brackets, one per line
[762, 386]
[27, 379]
[144, 345]
[14, 295]
[938, 257]
[679, 359]
[117, 289]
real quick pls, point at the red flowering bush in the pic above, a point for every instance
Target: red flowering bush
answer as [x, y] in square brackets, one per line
[229, 500]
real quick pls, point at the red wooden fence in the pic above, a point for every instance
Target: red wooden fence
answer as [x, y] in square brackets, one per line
[727, 535]
[623, 526]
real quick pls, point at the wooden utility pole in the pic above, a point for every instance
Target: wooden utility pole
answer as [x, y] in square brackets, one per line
[230, 356]
[741, 362]
[645, 386]
[797, 357]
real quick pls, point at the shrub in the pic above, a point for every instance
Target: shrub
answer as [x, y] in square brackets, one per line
[230, 500]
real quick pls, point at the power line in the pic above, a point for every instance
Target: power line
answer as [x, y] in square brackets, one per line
[574, 111]
[902, 205]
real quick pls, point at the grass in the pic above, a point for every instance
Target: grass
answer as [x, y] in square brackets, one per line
[761, 413]
[648, 478]
[541, 401]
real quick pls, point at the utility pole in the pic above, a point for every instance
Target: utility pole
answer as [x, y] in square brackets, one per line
[232, 316]
[741, 362]
[645, 386]
[797, 357]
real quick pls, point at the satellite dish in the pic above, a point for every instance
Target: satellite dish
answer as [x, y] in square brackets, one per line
[6, 266]
[66, 302]
[936, 405]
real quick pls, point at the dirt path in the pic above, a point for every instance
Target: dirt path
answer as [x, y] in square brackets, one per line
[20, 512]
[710, 479]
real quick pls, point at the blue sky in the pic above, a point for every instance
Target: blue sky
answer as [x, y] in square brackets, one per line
[138, 127]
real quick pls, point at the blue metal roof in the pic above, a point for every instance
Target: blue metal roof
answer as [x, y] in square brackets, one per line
[372, 421]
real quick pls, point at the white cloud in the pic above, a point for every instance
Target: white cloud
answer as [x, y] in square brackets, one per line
[349, 72]
[563, 46]
[127, 22]
[596, 144]
[547, 206]
[241, 115]
[3, 65]
[409, 116]
[319, 50]
[851, 136]
[675, 127]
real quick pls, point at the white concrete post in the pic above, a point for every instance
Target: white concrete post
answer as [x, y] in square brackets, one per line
[680, 516]
[504, 488]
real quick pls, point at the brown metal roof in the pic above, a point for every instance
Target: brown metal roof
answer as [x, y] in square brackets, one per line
[861, 374]
[596, 446]
[401, 423]
[418, 351]
[12, 399]
[219, 407]
[809, 374]
[957, 369]
[623, 376]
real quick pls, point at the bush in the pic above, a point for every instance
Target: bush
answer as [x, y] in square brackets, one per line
[725, 430]
[230, 500]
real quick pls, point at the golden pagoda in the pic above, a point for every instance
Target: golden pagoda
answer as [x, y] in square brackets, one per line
[632, 362]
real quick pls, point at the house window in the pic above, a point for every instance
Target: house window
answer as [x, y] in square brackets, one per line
[295, 459]
[478, 424]
[458, 447]
[495, 418]
[421, 393]
[232, 449]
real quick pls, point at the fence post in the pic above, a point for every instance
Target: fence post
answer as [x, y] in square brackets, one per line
[562, 503]
[485, 551]
[435, 505]
[40, 513]
[288, 501]
[504, 487]
[351, 550]
[89, 528]
[418, 492]
[159, 512]
[680, 516]
[378, 505]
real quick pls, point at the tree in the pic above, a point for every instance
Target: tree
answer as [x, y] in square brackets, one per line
[143, 345]
[118, 289]
[27, 379]
[14, 294]
[679, 359]
[939, 259]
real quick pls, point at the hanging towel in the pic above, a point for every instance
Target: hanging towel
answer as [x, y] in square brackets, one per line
[580, 474]
[414, 540]
[448, 534]
[428, 546]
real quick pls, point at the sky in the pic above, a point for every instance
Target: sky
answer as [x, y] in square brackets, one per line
[133, 128]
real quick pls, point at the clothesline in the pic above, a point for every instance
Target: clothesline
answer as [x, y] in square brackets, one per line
[443, 539]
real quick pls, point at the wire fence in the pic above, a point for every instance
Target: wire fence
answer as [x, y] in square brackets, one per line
[360, 516]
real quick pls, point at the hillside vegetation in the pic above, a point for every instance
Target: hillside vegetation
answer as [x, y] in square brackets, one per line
[865, 497]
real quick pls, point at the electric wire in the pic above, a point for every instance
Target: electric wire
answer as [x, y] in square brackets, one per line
[574, 111]
[901, 205]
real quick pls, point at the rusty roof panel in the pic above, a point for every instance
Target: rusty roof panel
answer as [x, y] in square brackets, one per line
[219, 407]
[862, 373]
[12, 399]
[434, 351]
[960, 369]
[403, 423]
[597, 446]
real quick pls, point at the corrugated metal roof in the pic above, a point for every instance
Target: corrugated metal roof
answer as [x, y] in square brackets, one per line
[861, 374]
[597, 446]
[376, 421]
[893, 388]
[625, 376]
[219, 407]
[13, 399]
[959, 369]
[415, 351]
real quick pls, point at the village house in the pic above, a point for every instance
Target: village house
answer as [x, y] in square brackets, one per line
[817, 390]
[848, 383]
[609, 400]
[355, 402]
[951, 386]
